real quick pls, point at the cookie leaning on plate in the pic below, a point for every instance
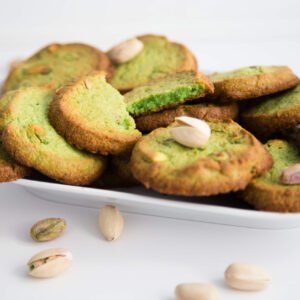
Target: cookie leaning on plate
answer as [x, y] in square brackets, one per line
[92, 115]
[274, 113]
[158, 58]
[252, 82]
[10, 170]
[57, 65]
[267, 192]
[228, 162]
[118, 174]
[31, 140]
[206, 111]
[167, 92]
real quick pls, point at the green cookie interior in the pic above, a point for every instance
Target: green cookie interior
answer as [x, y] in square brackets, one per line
[168, 91]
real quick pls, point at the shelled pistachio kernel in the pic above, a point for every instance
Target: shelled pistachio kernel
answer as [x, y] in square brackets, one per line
[196, 291]
[111, 222]
[48, 229]
[247, 277]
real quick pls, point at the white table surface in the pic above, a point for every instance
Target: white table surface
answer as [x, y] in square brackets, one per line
[150, 258]
[153, 254]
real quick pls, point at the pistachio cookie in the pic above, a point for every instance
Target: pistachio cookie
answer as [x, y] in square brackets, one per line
[57, 65]
[228, 162]
[10, 170]
[252, 82]
[158, 58]
[169, 91]
[267, 192]
[274, 113]
[205, 110]
[92, 115]
[31, 140]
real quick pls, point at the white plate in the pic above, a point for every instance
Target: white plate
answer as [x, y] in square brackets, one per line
[222, 210]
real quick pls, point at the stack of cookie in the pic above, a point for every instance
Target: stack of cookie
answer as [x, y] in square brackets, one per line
[84, 117]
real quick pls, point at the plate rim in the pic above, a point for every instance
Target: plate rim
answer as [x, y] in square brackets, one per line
[136, 198]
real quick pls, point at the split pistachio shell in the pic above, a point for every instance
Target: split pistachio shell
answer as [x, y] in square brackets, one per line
[111, 222]
[247, 277]
[291, 174]
[189, 136]
[194, 122]
[195, 134]
[48, 229]
[125, 51]
[50, 263]
[196, 291]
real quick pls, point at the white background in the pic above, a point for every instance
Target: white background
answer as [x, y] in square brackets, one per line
[154, 254]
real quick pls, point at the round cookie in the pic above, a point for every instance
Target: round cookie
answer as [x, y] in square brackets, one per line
[31, 140]
[274, 113]
[170, 91]
[10, 170]
[57, 65]
[158, 58]
[252, 82]
[227, 163]
[92, 115]
[267, 192]
[205, 110]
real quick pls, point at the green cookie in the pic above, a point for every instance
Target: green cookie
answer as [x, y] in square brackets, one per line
[30, 139]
